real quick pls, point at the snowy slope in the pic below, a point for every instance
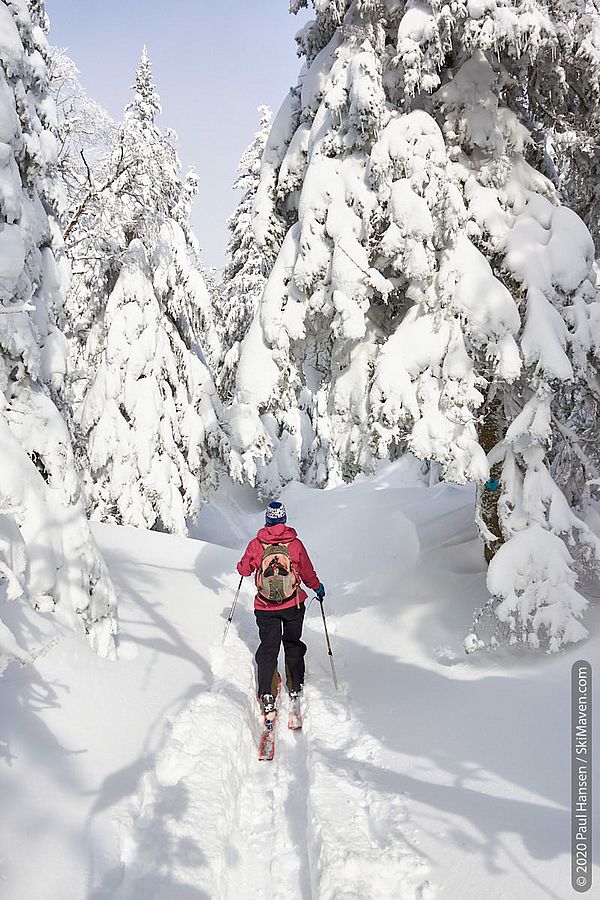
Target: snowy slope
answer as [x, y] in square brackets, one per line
[430, 774]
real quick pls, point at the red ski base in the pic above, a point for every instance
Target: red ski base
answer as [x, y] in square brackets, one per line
[295, 721]
[266, 747]
[295, 715]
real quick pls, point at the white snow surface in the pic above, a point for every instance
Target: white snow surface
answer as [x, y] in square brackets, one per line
[429, 775]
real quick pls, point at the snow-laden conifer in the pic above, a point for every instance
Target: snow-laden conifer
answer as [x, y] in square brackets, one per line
[148, 415]
[244, 276]
[429, 290]
[191, 286]
[565, 120]
[117, 188]
[150, 410]
[47, 553]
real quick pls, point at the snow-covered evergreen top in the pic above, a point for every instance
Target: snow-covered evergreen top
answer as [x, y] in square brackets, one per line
[145, 105]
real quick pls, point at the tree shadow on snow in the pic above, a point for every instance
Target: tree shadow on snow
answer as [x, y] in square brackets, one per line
[31, 745]
[216, 569]
[464, 734]
[152, 873]
[146, 886]
[168, 639]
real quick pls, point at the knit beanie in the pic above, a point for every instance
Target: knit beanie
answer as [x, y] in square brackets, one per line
[275, 514]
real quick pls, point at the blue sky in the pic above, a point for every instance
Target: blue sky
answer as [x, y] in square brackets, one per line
[214, 63]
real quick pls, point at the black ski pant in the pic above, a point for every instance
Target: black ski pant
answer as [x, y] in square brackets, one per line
[275, 625]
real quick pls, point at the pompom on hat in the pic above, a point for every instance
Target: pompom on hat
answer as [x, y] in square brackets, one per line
[275, 514]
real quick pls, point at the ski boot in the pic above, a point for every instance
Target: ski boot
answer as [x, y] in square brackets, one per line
[269, 709]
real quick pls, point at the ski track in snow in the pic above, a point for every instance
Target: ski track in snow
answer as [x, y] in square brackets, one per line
[211, 821]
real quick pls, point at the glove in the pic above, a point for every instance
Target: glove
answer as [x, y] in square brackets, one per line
[320, 592]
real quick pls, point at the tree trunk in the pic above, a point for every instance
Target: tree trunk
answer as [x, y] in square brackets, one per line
[491, 431]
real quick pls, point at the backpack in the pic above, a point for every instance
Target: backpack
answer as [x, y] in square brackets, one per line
[276, 580]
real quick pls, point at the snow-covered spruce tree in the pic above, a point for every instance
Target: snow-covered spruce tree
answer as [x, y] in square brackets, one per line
[192, 293]
[101, 164]
[245, 274]
[429, 291]
[148, 419]
[564, 120]
[107, 197]
[47, 553]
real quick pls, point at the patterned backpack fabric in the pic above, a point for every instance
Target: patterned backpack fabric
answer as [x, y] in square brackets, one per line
[276, 580]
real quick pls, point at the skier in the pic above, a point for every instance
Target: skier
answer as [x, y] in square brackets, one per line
[281, 563]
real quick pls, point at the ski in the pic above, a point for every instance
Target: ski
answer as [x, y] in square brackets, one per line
[295, 715]
[266, 747]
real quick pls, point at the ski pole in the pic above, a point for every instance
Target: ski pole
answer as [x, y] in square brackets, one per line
[335, 681]
[232, 610]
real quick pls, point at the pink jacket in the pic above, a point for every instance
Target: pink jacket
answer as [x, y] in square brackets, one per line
[279, 534]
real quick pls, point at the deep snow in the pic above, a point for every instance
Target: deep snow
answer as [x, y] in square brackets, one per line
[430, 774]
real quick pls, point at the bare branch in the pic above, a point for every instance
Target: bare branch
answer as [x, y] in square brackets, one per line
[23, 307]
[575, 442]
[89, 174]
[92, 193]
